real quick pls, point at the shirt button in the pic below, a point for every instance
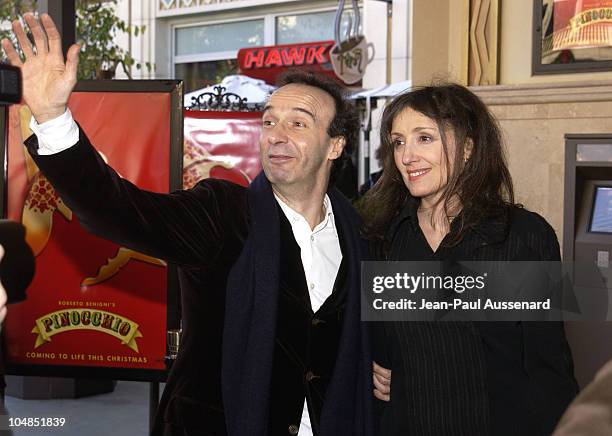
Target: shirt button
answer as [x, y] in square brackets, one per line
[293, 429]
[312, 238]
[310, 376]
[311, 286]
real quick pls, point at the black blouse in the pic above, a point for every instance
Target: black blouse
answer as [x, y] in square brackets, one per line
[474, 378]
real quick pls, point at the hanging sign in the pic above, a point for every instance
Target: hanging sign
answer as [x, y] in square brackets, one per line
[350, 56]
[350, 59]
[267, 63]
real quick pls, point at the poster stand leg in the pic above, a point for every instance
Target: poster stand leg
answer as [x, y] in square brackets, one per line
[153, 403]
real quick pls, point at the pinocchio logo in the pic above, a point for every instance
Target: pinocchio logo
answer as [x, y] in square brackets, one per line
[61, 321]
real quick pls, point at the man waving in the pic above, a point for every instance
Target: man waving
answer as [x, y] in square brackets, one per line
[269, 274]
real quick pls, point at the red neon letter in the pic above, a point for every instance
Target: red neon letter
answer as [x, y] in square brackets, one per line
[316, 54]
[254, 56]
[274, 58]
[294, 56]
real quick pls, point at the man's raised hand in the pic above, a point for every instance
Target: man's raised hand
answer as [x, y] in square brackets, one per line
[47, 80]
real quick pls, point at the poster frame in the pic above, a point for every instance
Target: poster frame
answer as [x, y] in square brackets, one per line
[3, 158]
[175, 89]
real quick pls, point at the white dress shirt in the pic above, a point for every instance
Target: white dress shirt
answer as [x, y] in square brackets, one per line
[321, 256]
[319, 248]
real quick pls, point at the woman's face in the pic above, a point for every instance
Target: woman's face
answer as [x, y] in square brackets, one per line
[419, 154]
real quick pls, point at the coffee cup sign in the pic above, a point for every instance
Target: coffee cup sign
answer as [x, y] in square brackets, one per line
[349, 55]
[350, 58]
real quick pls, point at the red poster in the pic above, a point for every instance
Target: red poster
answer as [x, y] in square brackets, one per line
[579, 24]
[222, 145]
[91, 303]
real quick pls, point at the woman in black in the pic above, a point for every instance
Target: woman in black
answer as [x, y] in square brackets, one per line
[446, 194]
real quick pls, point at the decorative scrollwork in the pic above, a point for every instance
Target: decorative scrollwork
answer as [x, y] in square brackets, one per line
[223, 101]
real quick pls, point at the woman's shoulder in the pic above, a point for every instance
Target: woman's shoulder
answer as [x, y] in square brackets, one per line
[526, 221]
[533, 231]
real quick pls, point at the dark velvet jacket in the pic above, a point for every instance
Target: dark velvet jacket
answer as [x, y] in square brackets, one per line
[306, 342]
[475, 378]
[225, 240]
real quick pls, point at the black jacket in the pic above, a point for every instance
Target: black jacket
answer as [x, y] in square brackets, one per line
[208, 231]
[475, 378]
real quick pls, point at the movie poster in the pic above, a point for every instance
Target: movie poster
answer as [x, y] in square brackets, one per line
[576, 31]
[91, 303]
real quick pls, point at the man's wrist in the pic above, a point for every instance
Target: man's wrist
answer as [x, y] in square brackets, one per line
[56, 134]
[50, 115]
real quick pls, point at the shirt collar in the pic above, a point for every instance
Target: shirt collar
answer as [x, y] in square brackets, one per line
[492, 229]
[292, 215]
[407, 212]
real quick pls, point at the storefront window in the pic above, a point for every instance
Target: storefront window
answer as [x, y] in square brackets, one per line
[317, 26]
[214, 38]
[197, 75]
[204, 54]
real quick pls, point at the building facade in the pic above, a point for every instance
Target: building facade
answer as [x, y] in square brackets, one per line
[493, 46]
[486, 44]
[198, 40]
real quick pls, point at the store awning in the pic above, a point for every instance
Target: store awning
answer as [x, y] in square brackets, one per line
[257, 91]
[254, 90]
[384, 91]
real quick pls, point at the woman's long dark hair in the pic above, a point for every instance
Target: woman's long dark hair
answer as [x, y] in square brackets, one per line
[482, 183]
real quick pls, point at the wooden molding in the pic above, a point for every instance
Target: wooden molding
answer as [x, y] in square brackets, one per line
[483, 42]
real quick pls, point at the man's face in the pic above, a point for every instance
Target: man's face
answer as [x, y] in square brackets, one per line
[294, 145]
